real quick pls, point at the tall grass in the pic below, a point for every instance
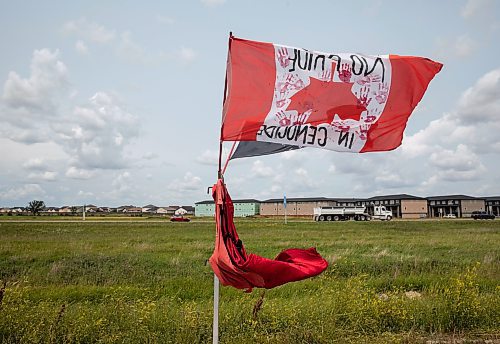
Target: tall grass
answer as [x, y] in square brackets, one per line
[136, 282]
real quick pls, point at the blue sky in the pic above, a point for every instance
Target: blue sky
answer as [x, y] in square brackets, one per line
[117, 103]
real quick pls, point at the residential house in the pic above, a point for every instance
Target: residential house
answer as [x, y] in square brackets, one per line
[65, 210]
[90, 208]
[149, 209]
[162, 211]
[189, 209]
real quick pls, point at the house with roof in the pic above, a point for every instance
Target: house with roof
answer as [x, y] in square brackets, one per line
[149, 209]
[189, 209]
[132, 210]
[64, 210]
[90, 208]
[4, 211]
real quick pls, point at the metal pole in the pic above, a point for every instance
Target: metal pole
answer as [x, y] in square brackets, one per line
[284, 206]
[215, 330]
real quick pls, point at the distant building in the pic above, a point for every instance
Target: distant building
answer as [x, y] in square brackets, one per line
[402, 205]
[184, 210]
[493, 205]
[204, 208]
[460, 205]
[150, 209]
[294, 206]
[242, 207]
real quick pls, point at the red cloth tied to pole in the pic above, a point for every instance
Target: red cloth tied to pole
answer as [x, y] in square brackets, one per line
[234, 267]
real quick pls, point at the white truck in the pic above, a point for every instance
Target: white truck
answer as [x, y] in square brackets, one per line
[351, 213]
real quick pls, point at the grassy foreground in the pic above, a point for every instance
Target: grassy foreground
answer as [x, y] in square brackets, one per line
[139, 282]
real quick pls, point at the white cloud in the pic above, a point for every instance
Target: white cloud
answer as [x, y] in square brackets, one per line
[150, 156]
[483, 13]
[35, 164]
[213, 3]
[33, 110]
[474, 8]
[462, 159]
[481, 102]
[82, 193]
[260, 170]
[302, 179]
[462, 46]
[81, 47]
[165, 19]
[29, 105]
[211, 157]
[35, 94]
[48, 176]
[78, 173]
[129, 50]
[90, 31]
[121, 186]
[21, 192]
[187, 55]
[189, 182]
[459, 165]
[98, 132]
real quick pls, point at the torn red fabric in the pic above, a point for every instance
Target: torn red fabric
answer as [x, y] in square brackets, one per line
[234, 267]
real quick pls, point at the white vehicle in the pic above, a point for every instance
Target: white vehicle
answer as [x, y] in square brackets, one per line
[350, 213]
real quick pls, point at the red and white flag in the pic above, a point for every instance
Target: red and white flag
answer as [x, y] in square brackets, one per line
[342, 102]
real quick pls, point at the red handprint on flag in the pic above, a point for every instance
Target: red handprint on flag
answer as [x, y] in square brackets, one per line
[283, 58]
[368, 79]
[382, 93]
[300, 118]
[326, 75]
[373, 114]
[362, 96]
[283, 119]
[281, 103]
[342, 126]
[363, 131]
[345, 72]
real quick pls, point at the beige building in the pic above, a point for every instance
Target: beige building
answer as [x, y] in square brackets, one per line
[413, 208]
[294, 206]
[402, 205]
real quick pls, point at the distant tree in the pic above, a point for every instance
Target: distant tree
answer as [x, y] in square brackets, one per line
[36, 206]
[74, 210]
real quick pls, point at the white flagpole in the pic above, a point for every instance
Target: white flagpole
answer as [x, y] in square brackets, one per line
[215, 330]
[284, 206]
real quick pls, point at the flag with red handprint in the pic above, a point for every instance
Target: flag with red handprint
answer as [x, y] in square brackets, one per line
[342, 102]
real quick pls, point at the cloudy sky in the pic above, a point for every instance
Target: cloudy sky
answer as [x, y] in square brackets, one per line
[117, 103]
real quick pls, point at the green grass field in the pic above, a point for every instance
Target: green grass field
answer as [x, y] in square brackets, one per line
[149, 282]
